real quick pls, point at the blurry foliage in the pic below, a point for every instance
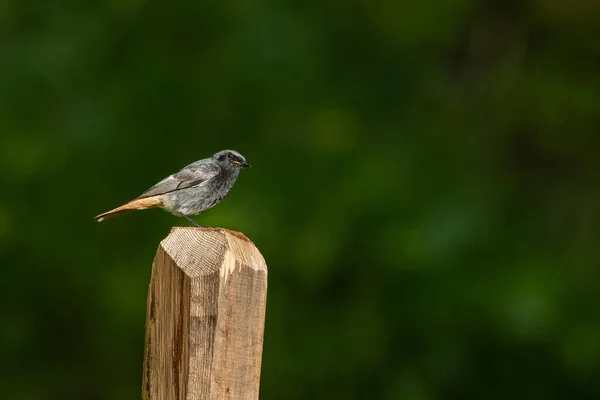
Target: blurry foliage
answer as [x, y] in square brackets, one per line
[425, 189]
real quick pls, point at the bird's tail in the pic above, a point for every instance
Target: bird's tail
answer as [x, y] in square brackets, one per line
[138, 204]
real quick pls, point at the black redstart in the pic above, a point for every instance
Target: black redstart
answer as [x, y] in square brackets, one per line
[197, 187]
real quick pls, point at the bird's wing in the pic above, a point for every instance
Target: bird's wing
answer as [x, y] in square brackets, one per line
[192, 175]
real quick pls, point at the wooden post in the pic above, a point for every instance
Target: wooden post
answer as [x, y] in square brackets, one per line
[205, 317]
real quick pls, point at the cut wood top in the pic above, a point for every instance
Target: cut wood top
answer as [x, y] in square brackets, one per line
[203, 251]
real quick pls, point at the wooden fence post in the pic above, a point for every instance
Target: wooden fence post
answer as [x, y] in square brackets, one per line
[205, 317]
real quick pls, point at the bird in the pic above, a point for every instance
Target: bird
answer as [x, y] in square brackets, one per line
[195, 188]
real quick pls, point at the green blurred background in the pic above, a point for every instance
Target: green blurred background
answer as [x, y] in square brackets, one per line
[425, 189]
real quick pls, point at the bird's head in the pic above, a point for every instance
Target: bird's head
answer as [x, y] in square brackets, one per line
[230, 158]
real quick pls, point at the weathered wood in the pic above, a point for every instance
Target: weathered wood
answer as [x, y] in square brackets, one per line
[205, 317]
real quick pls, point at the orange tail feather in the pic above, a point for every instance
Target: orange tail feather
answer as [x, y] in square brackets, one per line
[139, 204]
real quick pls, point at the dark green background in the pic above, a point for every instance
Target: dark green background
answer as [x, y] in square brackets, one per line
[425, 189]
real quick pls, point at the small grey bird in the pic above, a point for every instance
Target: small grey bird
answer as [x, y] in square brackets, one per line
[197, 187]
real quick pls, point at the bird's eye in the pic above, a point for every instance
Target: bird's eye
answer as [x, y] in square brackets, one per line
[230, 156]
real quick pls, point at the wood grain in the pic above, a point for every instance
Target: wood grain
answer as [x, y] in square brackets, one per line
[205, 317]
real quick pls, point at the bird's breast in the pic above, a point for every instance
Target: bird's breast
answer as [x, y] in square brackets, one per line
[194, 200]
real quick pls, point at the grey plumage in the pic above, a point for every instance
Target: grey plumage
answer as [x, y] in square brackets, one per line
[200, 185]
[194, 189]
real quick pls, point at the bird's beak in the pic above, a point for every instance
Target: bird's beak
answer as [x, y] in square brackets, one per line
[242, 164]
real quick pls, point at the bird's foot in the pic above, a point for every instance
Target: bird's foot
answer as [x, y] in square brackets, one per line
[192, 221]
